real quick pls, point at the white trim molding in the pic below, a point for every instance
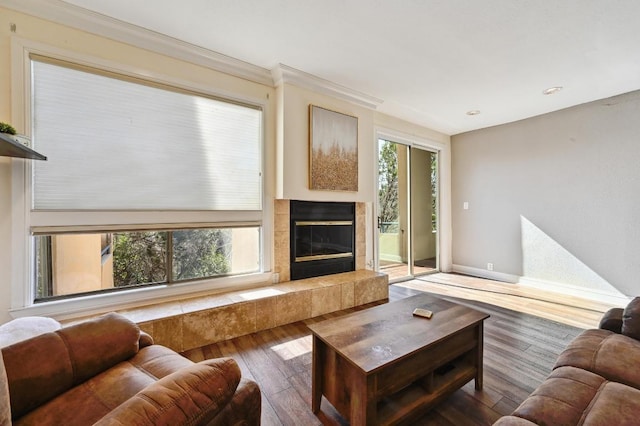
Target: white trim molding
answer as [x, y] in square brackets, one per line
[284, 74]
[95, 23]
[483, 273]
[408, 139]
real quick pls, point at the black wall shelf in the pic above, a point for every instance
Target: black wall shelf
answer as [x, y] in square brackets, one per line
[9, 147]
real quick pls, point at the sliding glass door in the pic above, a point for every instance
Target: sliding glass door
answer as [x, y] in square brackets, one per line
[407, 210]
[424, 208]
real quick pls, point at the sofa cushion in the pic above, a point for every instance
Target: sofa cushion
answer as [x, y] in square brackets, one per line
[513, 421]
[193, 395]
[159, 361]
[112, 336]
[43, 367]
[631, 319]
[572, 396]
[605, 353]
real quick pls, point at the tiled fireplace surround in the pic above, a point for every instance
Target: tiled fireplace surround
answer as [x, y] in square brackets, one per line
[198, 321]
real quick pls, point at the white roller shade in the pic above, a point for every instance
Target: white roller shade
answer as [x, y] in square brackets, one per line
[117, 144]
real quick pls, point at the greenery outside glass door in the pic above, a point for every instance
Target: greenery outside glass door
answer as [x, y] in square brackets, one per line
[407, 210]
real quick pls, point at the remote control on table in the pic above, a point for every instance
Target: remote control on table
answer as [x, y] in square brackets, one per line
[419, 312]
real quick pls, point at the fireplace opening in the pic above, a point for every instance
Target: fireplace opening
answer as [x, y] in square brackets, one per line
[322, 238]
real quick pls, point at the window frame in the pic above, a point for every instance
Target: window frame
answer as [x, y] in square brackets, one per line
[170, 278]
[25, 221]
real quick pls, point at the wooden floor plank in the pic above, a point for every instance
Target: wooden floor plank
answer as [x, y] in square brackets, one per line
[292, 409]
[272, 381]
[457, 411]
[523, 337]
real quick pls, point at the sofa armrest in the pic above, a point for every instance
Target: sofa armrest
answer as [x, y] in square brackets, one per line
[631, 319]
[145, 340]
[612, 320]
[245, 408]
[194, 395]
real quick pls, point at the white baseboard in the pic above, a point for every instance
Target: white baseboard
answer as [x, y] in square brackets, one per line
[483, 273]
[554, 287]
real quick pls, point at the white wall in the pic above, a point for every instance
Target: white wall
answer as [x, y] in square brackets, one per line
[554, 199]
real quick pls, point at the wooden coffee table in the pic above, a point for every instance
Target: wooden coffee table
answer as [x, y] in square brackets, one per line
[382, 365]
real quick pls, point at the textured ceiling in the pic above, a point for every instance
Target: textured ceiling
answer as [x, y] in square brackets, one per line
[430, 61]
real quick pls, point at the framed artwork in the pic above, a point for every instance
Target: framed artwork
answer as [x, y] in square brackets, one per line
[333, 150]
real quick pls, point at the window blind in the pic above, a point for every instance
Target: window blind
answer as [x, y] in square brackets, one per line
[119, 144]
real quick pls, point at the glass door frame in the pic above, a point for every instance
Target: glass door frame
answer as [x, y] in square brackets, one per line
[414, 216]
[409, 141]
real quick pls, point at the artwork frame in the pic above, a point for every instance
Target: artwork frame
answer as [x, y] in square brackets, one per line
[333, 150]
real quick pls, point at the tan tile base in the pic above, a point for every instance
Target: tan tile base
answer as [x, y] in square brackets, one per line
[192, 323]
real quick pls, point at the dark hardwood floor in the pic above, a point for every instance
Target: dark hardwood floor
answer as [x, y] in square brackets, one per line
[519, 352]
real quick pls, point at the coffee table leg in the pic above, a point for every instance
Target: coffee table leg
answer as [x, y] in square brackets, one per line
[364, 407]
[479, 360]
[316, 375]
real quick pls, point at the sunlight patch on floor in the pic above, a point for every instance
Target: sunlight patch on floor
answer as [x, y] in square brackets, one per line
[294, 348]
[560, 308]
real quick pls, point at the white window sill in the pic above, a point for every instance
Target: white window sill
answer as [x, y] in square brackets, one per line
[99, 303]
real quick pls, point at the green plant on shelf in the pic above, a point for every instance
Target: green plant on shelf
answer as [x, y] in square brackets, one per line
[7, 128]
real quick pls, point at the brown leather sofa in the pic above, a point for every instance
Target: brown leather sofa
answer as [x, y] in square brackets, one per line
[595, 381]
[107, 372]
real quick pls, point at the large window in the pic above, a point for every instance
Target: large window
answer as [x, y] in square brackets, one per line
[71, 264]
[145, 183]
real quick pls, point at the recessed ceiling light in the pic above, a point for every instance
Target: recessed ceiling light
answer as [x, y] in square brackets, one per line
[473, 112]
[552, 90]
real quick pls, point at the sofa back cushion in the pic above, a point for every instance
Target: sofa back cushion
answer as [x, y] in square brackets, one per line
[41, 368]
[631, 319]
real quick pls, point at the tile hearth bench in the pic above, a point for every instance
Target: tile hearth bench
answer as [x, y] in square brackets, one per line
[198, 321]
